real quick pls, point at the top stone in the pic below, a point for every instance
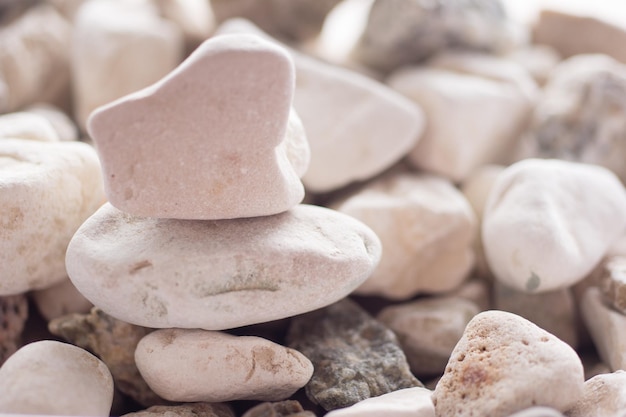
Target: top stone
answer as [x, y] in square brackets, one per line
[214, 139]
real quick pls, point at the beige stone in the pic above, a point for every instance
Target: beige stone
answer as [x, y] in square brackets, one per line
[194, 18]
[538, 412]
[49, 377]
[547, 223]
[219, 274]
[607, 328]
[24, 125]
[47, 189]
[504, 364]
[614, 283]
[112, 42]
[538, 60]
[199, 365]
[61, 123]
[476, 290]
[428, 330]
[60, 299]
[426, 227]
[414, 402]
[604, 396]
[228, 162]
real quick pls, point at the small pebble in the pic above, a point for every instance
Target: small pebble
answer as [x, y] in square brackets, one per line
[547, 223]
[354, 356]
[288, 408]
[408, 402]
[185, 410]
[13, 315]
[60, 299]
[25, 125]
[49, 377]
[504, 364]
[604, 396]
[199, 365]
[614, 283]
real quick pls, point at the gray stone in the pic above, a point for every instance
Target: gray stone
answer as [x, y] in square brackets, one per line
[287, 408]
[114, 342]
[186, 410]
[13, 315]
[354, 356]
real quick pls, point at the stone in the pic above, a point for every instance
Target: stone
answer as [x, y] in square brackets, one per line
[472, 120]
[538, 60]
[604, 396]
[259, 269]
[47, 190]
[59, 300]
[402, 32]
[607, 328]
[504, 364]
[194, 19]
[111, 43]
[428, 329]
[547, 223]
[572, 34]
[614, 283]
[538, 412]
[287, 408]
[581, 113]
[356, 127]
[354, 356]
[210, 175]
[476, 290]
[555, 311]
[114, 342]
[186, 410]
[188, 365]
[38, 41]
[13, 315]
[64, 127]
[50, 377]
[414, 402]
[426, 227]
[24, 125]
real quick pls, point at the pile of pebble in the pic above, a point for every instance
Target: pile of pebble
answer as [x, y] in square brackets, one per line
[244, 208]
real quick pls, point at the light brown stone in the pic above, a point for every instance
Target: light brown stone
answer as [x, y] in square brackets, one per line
[186, 410]
[614, 283]
[60, 299]
[604, 396]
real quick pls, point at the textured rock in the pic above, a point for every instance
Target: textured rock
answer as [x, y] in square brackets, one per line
[604, 396]
[547, 223]
[288, 408]
[428, 330]
[13, 315]
[210, 175]
[64, 127]
[554, 311]
[112, 41]
[614, 283]
[426, 228]
[47, 189]
[401, 32]
[354, 356]
[580, 117]
[49, 377]
[24, 125]
[414, 402]
[199, 365]
[185, 410]
[60, 299]
[114, 341]
[504, 364]
[607, 328]
[356, 126]
[259, 269]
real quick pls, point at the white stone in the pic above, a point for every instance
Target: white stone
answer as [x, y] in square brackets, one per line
[47, 190]
[64, 127]
[60, 299]
[538, 412]
[199, 365]
[119, 47]
[604, 396]
[538, 60]
[49, 377]
[194, 18]
[547, 223]
[24, 125]
[426, 227]
[356, 126]
[408, 402]
[607, 328]
[219, 274]
[504, 364]
[234, 157]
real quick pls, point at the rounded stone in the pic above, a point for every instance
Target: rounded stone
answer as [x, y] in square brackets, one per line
[199, 365]
[26, 125]
[219, 274]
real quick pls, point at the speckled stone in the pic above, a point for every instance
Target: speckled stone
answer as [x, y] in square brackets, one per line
[13, 315]
[614, 283]
[186, 410]
[287, 408]
[604, 396]
[354, 356]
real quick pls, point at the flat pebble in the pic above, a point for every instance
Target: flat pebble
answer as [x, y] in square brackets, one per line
[426, 227]
[60, 299]
[287, 408]
[408, 402]
[504, 364]
[185, 410]
[47, 189]
[354, 356]
[547, 223]
[607, 328]
[49, 377]
[13, 316]
[200, 365]
[209, 175]
[604, 396]
[614, 283]
[428, 330]
[25, 125]
[258, 269]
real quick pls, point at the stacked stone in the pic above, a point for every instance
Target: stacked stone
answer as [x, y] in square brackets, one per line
[204, 231]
